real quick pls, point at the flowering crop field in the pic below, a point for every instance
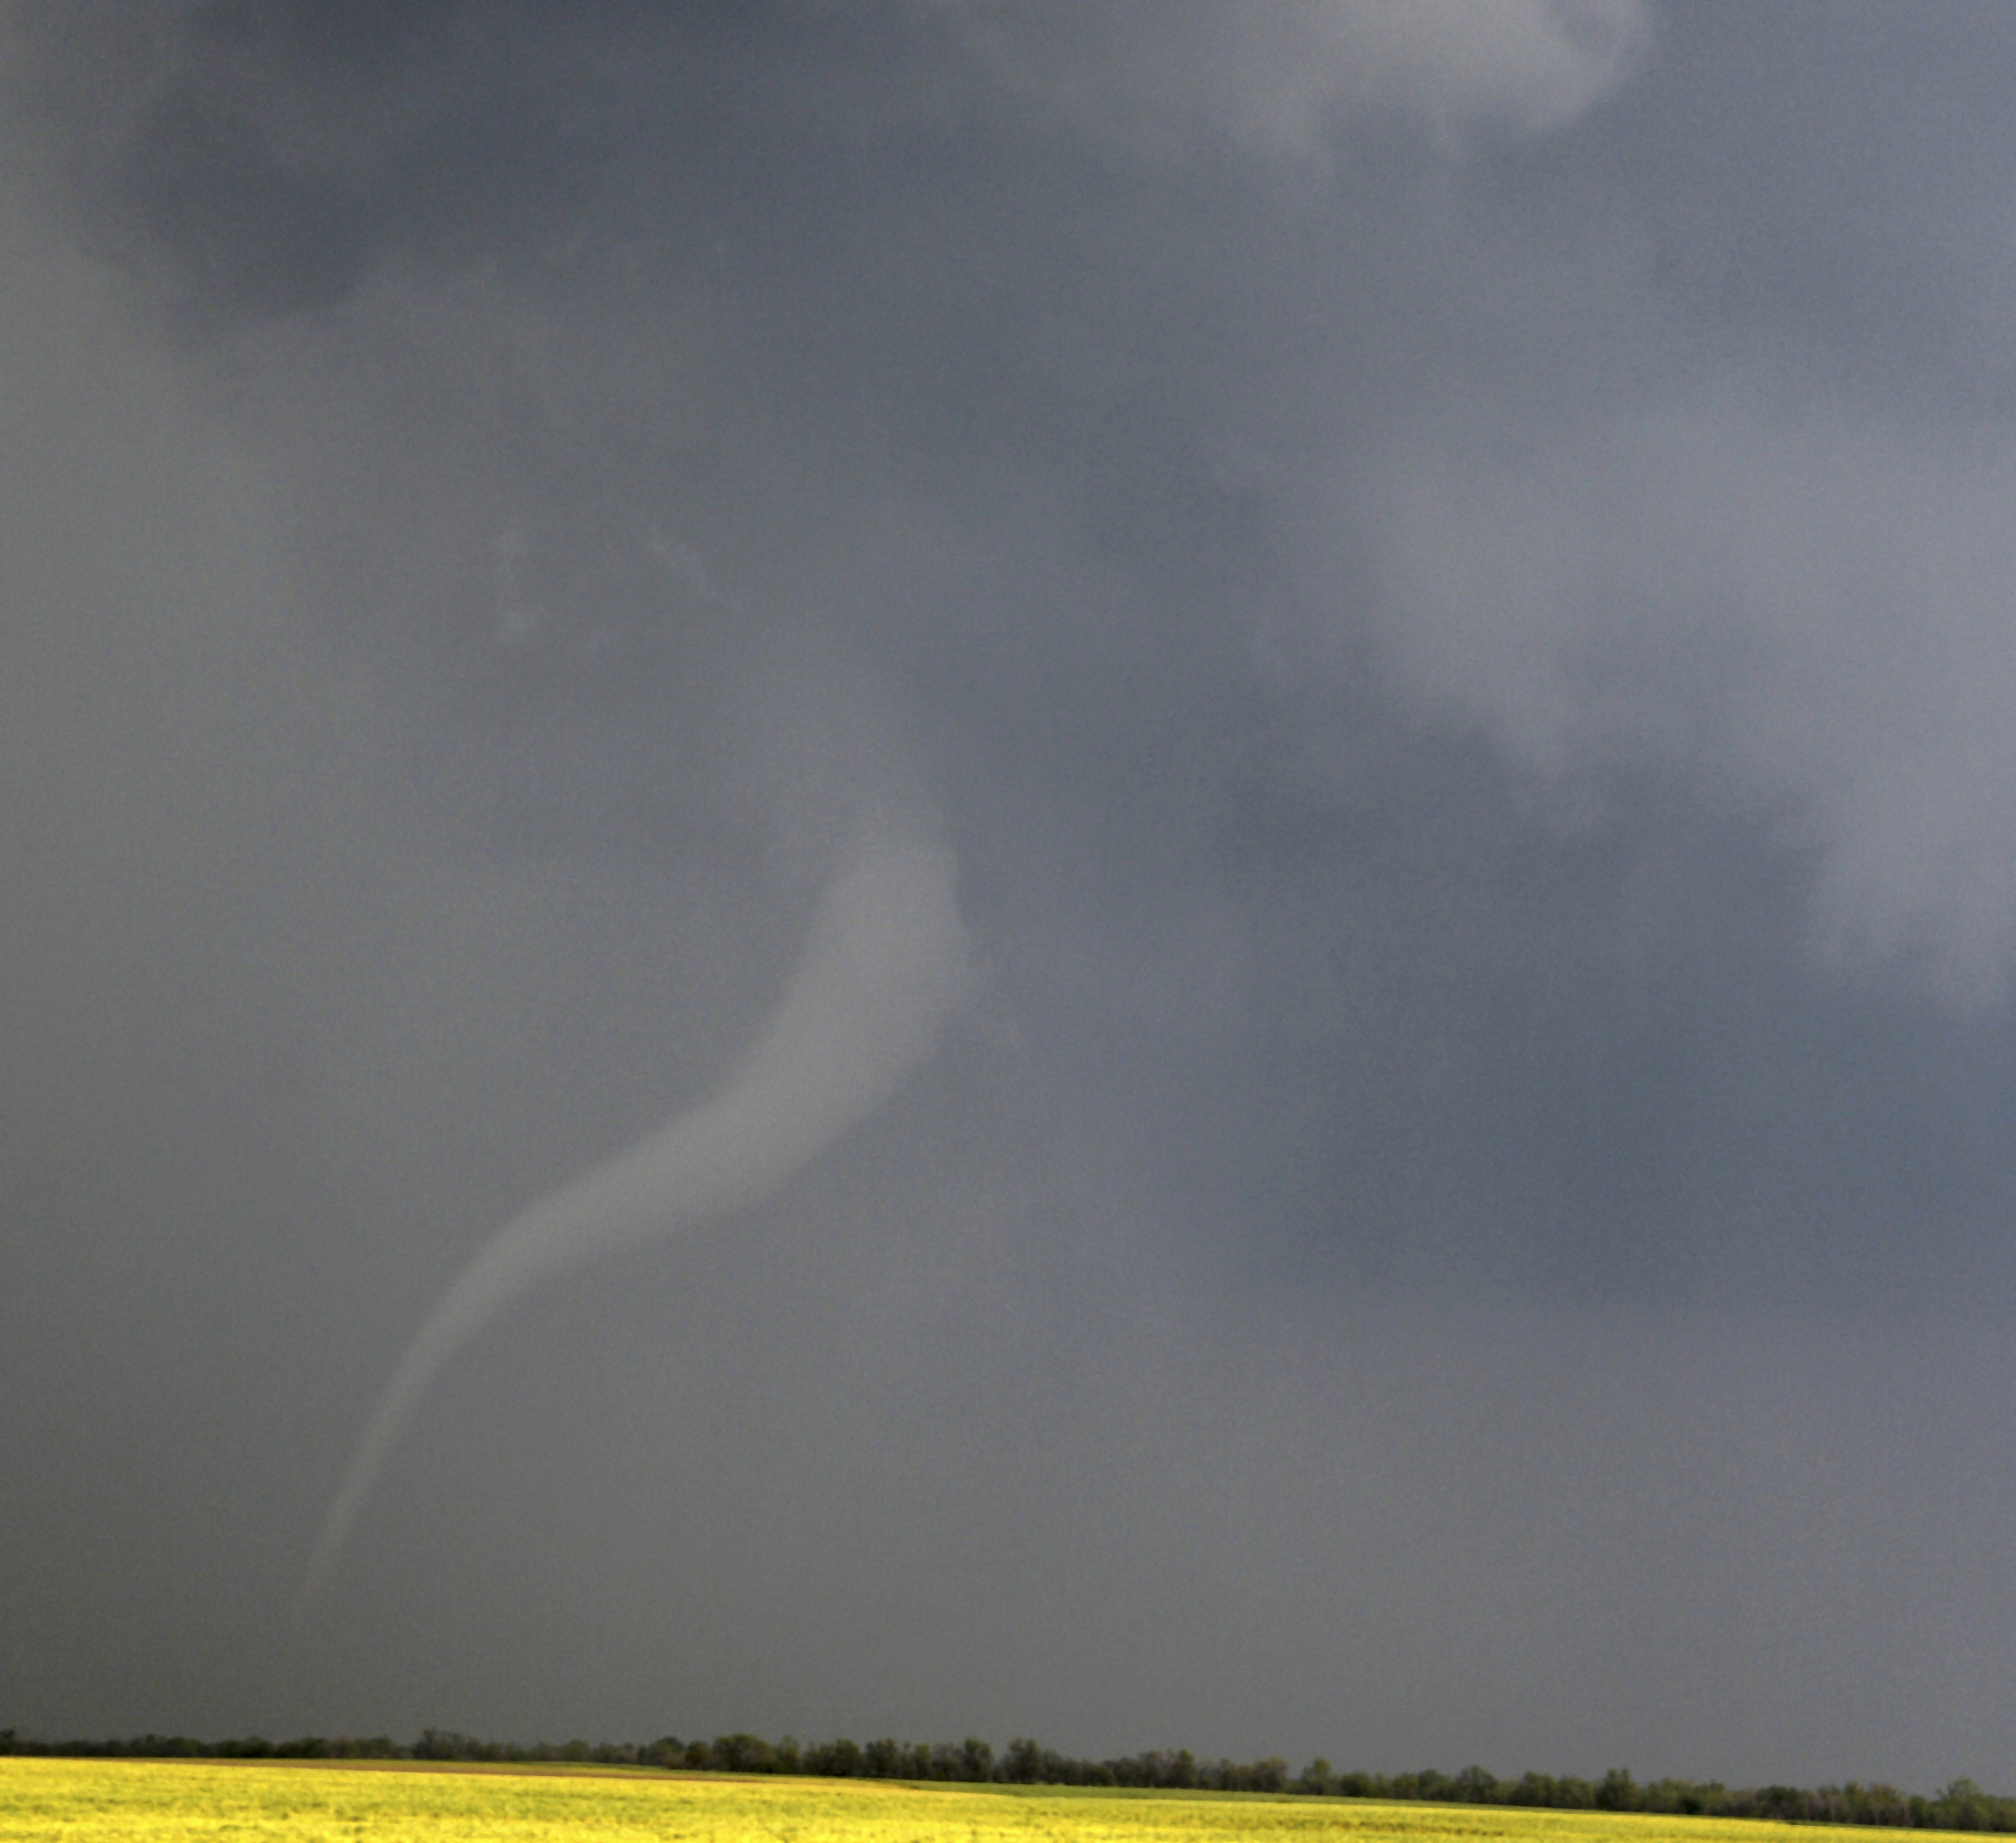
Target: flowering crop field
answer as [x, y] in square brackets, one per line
[180, 1801]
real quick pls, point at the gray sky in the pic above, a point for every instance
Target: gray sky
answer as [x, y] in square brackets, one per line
[1441, 572]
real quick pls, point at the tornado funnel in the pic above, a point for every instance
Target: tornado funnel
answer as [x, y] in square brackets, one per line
[886, 964]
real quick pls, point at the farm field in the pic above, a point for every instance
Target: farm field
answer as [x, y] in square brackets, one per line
[178, 1801]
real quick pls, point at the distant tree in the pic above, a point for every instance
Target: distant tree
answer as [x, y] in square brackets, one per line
[743, 1753]
[835, 1759]
[1616, 1793]
[1474, 1786]
[1963, 1806]
[1785, 1803]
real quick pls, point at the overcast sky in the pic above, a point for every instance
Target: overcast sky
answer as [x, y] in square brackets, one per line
[1442, 572]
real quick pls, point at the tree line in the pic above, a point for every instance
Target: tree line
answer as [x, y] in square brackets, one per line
[1961, 1806]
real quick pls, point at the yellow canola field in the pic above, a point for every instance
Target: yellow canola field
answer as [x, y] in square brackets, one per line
[180, 1802]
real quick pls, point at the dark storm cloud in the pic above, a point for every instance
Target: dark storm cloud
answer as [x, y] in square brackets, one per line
[1443, 582]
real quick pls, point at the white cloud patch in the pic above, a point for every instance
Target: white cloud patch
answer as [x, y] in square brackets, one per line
[1271, 74]
[1812, 614]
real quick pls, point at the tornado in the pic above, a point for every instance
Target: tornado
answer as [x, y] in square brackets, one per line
[886, 964]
